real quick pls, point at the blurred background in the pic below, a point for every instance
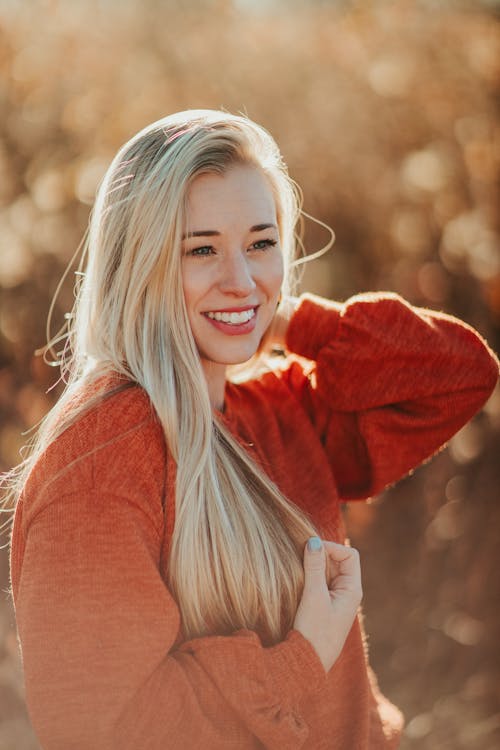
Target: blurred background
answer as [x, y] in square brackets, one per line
[386, 113]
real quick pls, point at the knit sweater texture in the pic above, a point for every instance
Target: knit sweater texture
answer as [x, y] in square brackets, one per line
[377, 387]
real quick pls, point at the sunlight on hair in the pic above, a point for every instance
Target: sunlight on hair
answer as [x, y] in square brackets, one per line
[322, 251]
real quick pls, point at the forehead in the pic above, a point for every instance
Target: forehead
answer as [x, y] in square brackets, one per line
[242, 195]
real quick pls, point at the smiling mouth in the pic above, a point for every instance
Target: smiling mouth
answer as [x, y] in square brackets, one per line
[232, 318]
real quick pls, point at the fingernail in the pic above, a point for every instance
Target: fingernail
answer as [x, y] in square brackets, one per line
[314, 544]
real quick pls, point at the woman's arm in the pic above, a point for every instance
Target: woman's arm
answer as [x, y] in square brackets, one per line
[390, 383]
[98, 627]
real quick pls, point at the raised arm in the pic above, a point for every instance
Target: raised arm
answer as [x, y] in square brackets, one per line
[389, 383]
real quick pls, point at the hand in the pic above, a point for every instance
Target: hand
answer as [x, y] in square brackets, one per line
[331, 597]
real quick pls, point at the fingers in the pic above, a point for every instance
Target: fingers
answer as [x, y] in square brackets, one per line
[344, 569]
[330, 564]
[346, 559]
[314, 564]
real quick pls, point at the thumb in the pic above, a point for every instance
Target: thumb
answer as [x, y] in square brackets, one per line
[314, 563]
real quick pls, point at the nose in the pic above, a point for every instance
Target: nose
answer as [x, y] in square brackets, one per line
[236, 275]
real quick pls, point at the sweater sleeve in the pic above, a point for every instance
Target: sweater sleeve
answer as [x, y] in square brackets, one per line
[98, 629]
[388, 385]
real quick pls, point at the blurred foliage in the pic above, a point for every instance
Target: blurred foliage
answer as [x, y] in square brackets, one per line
[386, 114]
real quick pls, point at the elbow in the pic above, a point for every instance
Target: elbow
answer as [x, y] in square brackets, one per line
[487, 382]
[489, 366]
[492, 374]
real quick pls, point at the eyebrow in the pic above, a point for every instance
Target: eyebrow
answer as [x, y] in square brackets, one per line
[215, 233]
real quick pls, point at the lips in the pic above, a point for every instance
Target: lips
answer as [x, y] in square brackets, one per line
[233, 318]
[235, 321]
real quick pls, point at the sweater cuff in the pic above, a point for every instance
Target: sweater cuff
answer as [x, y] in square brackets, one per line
[296, 665]
[313, 325]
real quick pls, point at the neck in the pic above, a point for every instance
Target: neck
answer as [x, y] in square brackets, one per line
[215, 375]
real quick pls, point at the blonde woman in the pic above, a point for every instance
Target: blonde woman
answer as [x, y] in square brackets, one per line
[166, 592]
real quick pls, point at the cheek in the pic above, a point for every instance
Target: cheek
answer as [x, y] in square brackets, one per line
[193, 286]
[276, 274]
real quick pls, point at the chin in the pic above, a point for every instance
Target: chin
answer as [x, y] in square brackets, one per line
[230, 356]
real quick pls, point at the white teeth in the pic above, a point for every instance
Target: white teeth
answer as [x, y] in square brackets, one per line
[233, 318]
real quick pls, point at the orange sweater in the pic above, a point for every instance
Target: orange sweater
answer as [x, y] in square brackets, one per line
[105, 664]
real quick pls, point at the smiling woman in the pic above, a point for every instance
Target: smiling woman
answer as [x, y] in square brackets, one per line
[179, 566]
[231, 286]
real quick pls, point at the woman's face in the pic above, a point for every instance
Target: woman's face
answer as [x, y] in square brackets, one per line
[232, 265]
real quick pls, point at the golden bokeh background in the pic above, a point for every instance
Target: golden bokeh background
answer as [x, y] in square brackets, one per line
[386, 113]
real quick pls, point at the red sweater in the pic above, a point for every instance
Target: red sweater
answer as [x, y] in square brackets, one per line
[104, 661]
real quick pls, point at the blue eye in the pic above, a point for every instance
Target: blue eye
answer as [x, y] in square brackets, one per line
[263, 244]
[204, 250]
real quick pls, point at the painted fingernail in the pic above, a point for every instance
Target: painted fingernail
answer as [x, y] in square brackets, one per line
[314, 544]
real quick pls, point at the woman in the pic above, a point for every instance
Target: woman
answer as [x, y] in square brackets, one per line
[165, 594]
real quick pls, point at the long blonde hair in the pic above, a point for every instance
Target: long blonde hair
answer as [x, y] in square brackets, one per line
[236, 550]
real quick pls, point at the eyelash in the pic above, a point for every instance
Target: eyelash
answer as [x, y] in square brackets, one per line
[266, 243]
[195, 252]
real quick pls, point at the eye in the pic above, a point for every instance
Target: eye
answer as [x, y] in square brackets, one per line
[263, 244]
[203, 250]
